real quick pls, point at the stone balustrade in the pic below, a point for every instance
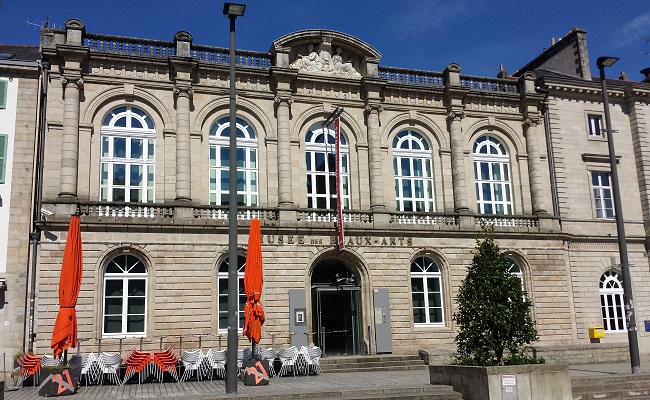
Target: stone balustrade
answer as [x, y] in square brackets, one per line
[484, 84]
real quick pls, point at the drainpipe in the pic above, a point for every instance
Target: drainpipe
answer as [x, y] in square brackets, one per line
[35, 235]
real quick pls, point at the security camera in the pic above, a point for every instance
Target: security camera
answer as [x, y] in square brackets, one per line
[46, 213]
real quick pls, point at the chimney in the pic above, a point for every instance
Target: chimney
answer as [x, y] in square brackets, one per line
[502, 72]
[646, 75]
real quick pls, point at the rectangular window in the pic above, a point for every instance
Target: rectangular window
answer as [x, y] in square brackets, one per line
[3, 157]
[595, 125]
[602, 187]
[3, 94]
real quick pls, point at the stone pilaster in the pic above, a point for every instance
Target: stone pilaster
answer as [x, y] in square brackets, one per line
[533, 131]
[183, 146]
[454, 118]
[70, 136]
[374, 157]
[283, 112]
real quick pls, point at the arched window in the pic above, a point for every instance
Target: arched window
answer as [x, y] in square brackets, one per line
[125, 299]
[426, 292]
[128, 164]
[223, 292]
[321, 170]
[247, 174]
[492, 176]
[412, 163]
[515, 270]
[611, 302]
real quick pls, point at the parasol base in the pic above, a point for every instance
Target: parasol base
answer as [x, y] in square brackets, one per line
[256, 372]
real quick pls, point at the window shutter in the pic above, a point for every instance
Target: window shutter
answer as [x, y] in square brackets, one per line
[3, 157]
[3, 94]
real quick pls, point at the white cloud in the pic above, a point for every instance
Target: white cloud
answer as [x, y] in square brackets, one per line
[633, 32]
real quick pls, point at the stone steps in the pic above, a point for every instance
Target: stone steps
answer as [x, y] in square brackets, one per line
[614, 387]
[429, 392]
[371, 363]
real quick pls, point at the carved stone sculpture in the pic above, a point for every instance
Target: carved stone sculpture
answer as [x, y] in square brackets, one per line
[324, 62]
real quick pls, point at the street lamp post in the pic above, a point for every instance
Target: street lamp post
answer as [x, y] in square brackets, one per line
[233, 11]
[630, 318]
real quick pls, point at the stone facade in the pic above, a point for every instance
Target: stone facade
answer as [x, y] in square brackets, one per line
[551, 231]
[19, 76]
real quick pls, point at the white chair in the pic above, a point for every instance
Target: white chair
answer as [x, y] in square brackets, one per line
[109, 364]
[288, 359]
[192, 361]
[313, 360]
[50, 361]
[216, 361]
[269, 355]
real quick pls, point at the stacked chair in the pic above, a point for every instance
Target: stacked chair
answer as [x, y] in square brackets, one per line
[109, 364]
[30, 365]
[137, 362]
[270, 355]
[288, 359]
[312, 357]
[165, 361]
[192, 362]
[216, 361]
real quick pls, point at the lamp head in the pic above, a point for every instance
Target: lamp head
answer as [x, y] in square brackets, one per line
[233, 9]
[606, 61]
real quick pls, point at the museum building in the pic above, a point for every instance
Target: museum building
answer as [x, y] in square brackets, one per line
[136, 140]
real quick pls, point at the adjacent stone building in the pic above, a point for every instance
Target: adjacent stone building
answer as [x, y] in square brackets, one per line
[20, 88]
[137, 142]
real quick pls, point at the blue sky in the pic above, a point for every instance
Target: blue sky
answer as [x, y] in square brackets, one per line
[420, 34]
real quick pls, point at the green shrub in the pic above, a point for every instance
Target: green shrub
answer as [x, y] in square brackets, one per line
[494, 320]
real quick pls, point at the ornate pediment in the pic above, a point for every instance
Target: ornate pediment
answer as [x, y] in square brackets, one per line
[326, 53]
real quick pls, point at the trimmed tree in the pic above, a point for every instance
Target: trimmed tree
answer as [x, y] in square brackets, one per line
[495, 324]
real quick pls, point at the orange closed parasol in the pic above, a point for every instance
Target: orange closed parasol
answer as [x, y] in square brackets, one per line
[65, 327]
[253, 285]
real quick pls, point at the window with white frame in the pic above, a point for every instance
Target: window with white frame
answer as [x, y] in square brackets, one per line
[595, 125]
[321, 169]
[602, 186]
[611, 302]
[247, 173]
[128, 141]
[3, 93]
[426, 292]
[223, 292]
[492, 176]
[4, 142]
[125, 300]
[412, 165]
[515, 270]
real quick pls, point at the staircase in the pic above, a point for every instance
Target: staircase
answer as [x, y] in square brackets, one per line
[611, 387]
[371, 363]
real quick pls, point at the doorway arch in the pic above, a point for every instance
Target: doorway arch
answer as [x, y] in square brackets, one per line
[337, 308]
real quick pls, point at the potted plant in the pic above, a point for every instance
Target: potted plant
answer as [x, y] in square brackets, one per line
[495, 328]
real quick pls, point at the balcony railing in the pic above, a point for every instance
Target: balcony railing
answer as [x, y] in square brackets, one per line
[330, 216]
[423, 219]
[484, 84]
[138, 213]
[222, 213]
[411, 76]
[507, 221]
[130, 210]
[126, 45]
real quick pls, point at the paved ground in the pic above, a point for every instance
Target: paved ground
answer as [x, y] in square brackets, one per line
[327, 385]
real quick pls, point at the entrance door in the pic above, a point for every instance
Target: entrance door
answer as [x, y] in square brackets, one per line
[337, 320]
